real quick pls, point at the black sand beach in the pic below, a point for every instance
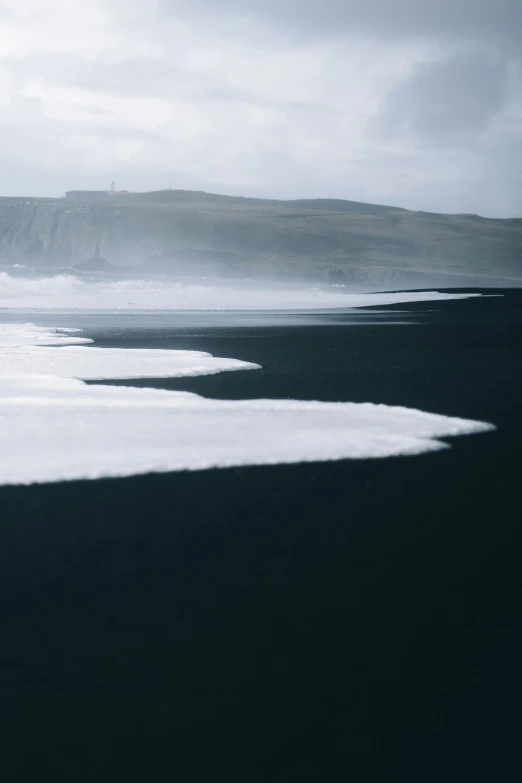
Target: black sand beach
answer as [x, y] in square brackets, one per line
[352, 621]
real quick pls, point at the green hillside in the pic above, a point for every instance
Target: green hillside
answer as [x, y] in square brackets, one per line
[190, 233]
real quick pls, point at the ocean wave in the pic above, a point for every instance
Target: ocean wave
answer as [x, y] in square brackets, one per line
[29, 350]
[66, 292]
[57, 428]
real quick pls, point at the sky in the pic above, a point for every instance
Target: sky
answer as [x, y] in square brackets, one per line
[415, 103]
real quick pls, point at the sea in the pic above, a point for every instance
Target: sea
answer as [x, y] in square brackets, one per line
[322, 606]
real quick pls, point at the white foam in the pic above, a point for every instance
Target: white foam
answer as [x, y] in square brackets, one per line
[31, 350]
[55, 427]
[62, 429]
[65, 292]
[17, 335]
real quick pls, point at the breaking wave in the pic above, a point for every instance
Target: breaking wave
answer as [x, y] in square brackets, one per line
[56, 428]
[65, 292]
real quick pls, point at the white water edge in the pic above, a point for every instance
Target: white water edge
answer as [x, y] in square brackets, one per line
[55, 428]
[66, 293]
[28, 350]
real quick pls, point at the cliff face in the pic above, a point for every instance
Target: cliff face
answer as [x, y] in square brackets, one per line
[56, 233]
[192, 233]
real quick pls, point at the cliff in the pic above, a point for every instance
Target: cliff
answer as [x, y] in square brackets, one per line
[195, 233]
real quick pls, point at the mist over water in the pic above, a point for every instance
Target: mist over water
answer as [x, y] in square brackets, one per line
[65, 292]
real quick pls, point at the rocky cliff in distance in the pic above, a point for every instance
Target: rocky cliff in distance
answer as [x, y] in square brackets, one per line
[188, 233]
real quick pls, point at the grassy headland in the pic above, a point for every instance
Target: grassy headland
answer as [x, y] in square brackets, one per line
[189, 233]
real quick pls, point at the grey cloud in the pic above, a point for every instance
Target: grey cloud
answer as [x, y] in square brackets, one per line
[499, 20]
[124, 134]
[449, 98]
[128, 77]
[25, 116]
[449, 133]
[147, 77]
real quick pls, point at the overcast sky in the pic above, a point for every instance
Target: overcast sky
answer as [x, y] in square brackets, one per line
[416, 103]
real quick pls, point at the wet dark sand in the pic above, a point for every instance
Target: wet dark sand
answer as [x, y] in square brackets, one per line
[345, 621]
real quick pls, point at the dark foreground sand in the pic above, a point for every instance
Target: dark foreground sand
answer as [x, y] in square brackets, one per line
[352, 621]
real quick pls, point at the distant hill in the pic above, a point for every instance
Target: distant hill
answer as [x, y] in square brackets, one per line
[192, 233]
